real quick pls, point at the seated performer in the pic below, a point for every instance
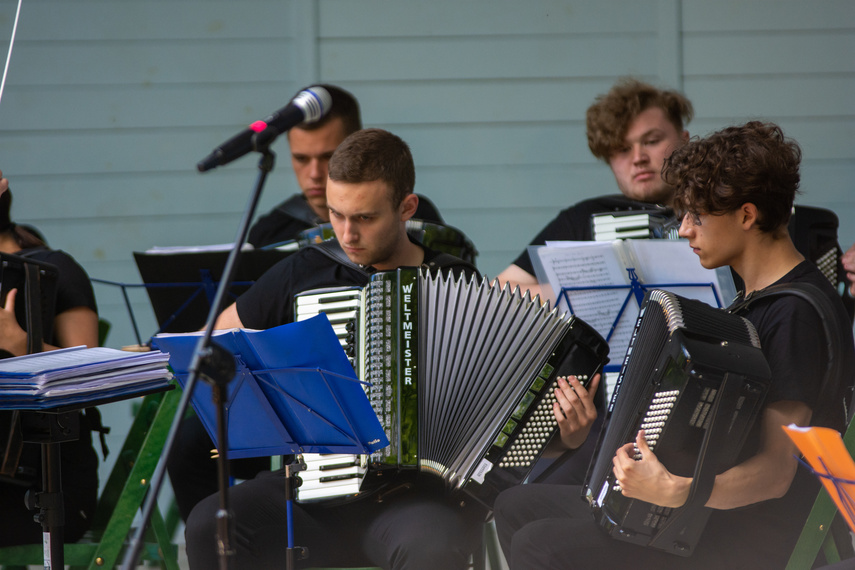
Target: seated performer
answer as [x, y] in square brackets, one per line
[634, 128]
[412, 522]
[311, 147]
[736, 188]
[75, 324]
[192, 472]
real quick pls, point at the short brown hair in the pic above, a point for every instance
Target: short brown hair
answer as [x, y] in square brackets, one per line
[609, 117]
[753, 163]
[375, 154]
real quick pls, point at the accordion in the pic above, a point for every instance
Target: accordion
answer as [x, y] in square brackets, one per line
[460, 373]
[634, 224]
[694, 379]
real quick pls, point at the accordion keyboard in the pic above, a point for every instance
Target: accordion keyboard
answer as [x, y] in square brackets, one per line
[338, 474]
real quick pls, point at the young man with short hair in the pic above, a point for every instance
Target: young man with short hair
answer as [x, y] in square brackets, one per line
[413, 522]
[311, 146]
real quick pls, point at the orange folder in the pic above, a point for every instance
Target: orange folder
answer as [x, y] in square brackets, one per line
[823, 449]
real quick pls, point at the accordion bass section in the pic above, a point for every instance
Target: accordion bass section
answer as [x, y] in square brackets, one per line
[460, 373]
[694, 379]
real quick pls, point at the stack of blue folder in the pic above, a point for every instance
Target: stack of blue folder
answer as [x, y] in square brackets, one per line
[71, 376]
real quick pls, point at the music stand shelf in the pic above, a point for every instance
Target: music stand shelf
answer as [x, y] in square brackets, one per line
[297, 381]
[49, 426]
[635, 290]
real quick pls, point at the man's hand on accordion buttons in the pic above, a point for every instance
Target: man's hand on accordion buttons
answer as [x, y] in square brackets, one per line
[646, 478]
[574, 409]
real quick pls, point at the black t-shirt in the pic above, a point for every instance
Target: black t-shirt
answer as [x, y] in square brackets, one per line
[574, 223]
[270, 301]
[791, 338]
[294, 215]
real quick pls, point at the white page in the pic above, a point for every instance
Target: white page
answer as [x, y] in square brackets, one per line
[668, 262]
[589, 265]
[656, 262]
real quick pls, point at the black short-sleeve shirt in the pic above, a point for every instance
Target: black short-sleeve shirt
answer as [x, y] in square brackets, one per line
[791, 338]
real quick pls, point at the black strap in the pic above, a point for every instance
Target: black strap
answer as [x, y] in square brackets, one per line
[822, 305]
[298, 208]
[441, 261]
[332, 249]
[93, 421]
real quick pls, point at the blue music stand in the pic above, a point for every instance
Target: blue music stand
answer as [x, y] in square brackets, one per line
[295, 379]
[635, 289]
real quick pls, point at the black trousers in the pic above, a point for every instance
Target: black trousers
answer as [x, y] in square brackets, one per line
[419, 527]
[544, 527]
[192, 472]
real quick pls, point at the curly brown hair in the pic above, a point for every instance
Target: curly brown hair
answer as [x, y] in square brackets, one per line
[375, 154]
[609, 117]
[753, 163]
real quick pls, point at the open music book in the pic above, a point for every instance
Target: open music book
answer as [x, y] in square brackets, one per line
[826, 453]
[294, 391]
[603, 283]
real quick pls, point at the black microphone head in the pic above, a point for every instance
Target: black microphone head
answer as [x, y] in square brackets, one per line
[314, 102]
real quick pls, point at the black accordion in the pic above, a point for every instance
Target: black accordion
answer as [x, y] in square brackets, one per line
[694, 379]
[461, 375]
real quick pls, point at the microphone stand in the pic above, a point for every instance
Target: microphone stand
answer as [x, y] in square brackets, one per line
[215, 365]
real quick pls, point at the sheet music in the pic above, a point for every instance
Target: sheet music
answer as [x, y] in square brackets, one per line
[79, 374]
[672, 261]
[589, 264]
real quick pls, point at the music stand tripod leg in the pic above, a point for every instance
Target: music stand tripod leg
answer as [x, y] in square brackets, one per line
[49, 430]
[292, 481]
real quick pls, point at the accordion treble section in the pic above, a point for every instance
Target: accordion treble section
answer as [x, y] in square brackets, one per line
[460, 373]
[694, 379]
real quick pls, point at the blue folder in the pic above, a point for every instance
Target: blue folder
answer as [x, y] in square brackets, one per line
[294, 391]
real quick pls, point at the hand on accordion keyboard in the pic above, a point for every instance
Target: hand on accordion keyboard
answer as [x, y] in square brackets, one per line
[645, 478]
[574, 409]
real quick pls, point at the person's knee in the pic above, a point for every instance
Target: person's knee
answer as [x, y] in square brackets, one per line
[200, 532]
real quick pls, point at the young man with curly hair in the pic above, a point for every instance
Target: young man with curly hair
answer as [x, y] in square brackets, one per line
[633, 128]
[736, 189]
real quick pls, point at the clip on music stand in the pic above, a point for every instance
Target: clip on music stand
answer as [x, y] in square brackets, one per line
[296, 380]
[636, 290]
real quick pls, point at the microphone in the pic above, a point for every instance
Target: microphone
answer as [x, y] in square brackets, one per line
[308, 106]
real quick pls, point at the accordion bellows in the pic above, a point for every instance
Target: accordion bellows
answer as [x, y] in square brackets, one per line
[462, 375]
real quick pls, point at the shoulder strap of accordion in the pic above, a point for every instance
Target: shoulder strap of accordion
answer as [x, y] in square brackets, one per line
[332, 249]
[445, 261]
[441, 262]
[297, 207]
[821, 304]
